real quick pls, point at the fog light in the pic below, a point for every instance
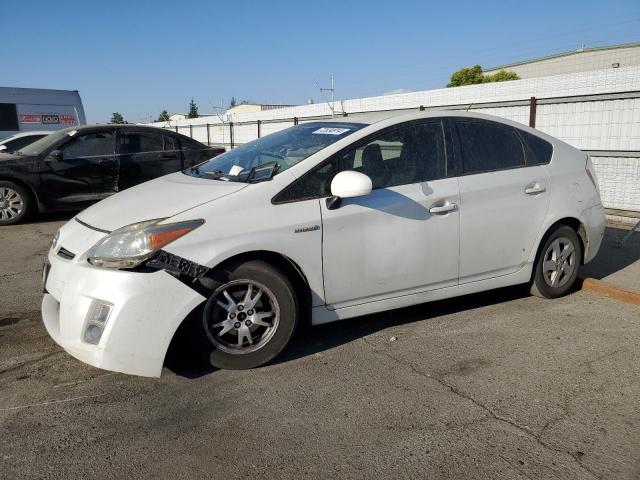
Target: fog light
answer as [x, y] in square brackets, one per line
[97, 318]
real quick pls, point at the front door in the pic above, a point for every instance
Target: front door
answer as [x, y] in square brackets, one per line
[85, 171]
[402, 238]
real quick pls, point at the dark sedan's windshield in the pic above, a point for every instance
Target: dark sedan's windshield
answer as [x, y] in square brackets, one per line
[43, 144]
[281, 150]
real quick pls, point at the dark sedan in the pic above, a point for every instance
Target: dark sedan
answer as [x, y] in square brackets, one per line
[72, 168]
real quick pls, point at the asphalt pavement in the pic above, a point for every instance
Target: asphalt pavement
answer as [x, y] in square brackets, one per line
[498, 385]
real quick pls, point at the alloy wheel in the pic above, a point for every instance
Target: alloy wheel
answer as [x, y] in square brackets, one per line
[242, 318]
[11, 204]
[559, 262]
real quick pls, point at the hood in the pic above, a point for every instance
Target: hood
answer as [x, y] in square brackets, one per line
[160, 198]
[10, 157]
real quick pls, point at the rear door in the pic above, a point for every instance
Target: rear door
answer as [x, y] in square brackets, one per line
[85, 171]
[503, 200]
[145, 156]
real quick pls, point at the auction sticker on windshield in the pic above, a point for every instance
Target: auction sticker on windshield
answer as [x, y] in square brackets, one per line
[331, 131]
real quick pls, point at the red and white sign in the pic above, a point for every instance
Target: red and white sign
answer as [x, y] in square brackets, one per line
[31, 118]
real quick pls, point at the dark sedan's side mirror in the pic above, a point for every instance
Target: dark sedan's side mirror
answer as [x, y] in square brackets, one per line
[55, 155]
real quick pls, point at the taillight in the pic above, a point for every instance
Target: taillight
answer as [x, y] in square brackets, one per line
[591, 173]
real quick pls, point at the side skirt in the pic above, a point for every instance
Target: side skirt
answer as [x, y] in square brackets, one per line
[322, 314]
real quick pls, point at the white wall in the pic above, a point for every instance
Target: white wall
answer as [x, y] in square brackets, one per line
[604, 123]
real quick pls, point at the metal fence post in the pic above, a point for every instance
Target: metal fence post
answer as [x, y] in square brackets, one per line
[532, 112]
[208, 135]
[176, 128]
[231, 134]
[258, 128]
[191, 130]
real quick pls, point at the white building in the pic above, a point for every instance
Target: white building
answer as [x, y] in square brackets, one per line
[580, 60]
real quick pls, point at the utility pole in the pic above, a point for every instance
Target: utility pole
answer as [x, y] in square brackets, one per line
[332, 90]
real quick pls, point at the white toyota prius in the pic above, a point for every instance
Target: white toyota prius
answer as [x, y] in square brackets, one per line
[322, 221]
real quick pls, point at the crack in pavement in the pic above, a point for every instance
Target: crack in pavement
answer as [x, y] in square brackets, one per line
[589, 363]
[496, 416]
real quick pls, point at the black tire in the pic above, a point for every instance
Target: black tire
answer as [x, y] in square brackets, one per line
[16, 192]
[543, 278]
[270, 341]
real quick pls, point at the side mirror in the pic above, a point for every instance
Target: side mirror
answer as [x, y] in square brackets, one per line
[348, 184]
[55, 155]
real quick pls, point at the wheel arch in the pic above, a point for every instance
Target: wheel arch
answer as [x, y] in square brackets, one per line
[23, 184]
[572, 222]
[288, 266]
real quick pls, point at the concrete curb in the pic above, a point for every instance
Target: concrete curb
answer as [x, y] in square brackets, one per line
[602, 288]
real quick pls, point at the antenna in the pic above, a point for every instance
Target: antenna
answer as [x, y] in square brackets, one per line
[332, 105]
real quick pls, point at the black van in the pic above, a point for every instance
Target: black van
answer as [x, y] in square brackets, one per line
[72, 168]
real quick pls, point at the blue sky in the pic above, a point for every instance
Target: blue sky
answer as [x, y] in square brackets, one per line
[139, 57]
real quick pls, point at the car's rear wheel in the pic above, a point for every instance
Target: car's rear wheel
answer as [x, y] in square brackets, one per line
[557, 266]
[15, 203]
[249, 317]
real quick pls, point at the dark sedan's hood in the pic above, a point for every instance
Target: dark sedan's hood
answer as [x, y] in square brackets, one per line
[9, 157]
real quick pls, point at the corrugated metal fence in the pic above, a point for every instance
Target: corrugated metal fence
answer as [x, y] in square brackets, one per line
[597, 111]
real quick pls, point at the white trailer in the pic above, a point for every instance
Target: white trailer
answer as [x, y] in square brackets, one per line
[28, 109]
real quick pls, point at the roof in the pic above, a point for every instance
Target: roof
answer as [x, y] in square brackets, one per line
[563, 54]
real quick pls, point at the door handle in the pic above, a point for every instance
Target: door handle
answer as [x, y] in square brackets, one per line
[442, 208]
[534, 189]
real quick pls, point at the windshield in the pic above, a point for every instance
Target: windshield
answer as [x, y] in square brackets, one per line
[274, 153]
[43, 144]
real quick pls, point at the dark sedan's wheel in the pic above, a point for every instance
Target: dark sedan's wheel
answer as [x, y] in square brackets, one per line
[248, 319]
[558, 263]
[15, 203]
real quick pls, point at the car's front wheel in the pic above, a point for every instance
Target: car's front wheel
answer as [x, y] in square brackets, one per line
[249, 317]
[557, 266]
[15, 203]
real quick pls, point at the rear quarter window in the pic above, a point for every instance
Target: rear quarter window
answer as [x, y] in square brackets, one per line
[540, 151]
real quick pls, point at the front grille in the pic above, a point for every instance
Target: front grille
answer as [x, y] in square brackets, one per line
[66, 254]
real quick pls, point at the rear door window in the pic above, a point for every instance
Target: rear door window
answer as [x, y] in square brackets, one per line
[169, 143]
[488, 146]
[141, 142]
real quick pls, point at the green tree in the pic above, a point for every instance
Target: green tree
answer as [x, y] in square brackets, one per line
[193, 110]
[117, 118]
[163, 117]
[501, 76]
[474, 75]
[233, 102]
[466, 76]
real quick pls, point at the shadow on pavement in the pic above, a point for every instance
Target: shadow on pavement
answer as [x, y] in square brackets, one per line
[610, 258]
[310, 340]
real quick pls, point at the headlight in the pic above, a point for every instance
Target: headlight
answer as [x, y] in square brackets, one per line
[54, 240]
[129, 246]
